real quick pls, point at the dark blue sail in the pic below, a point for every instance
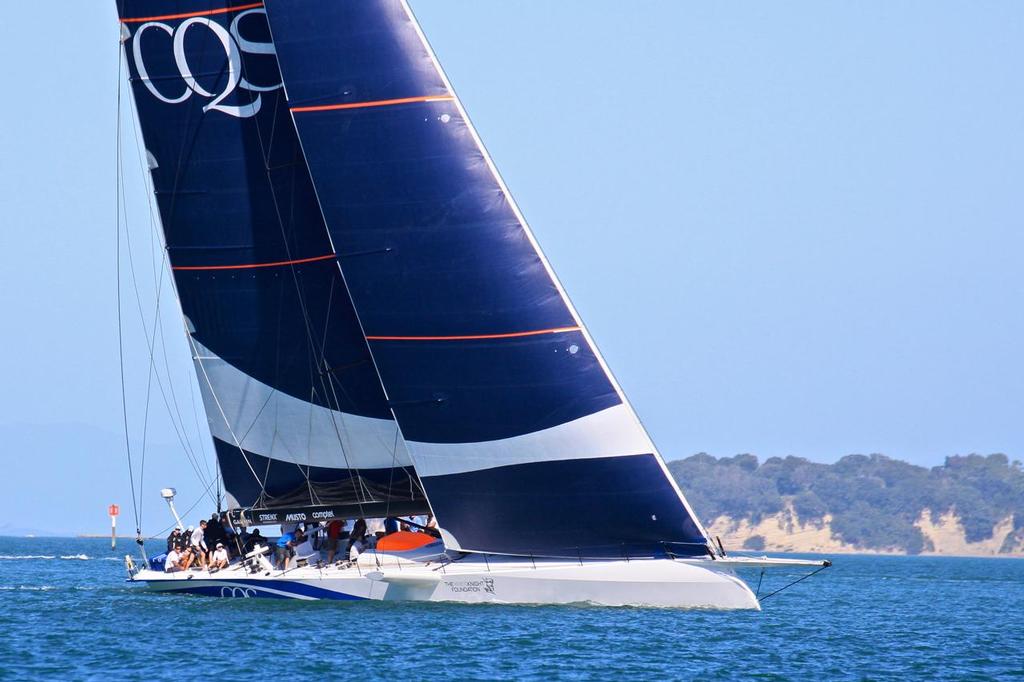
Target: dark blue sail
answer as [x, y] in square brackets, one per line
[293, 400]
[523, 441]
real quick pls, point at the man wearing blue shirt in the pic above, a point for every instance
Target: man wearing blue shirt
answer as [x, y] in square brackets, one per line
[285, 550]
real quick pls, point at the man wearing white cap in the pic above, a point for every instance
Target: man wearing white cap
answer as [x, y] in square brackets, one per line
[220, 557]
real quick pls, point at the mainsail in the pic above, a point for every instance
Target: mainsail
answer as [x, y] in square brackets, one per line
[524, 442]
[294, 402]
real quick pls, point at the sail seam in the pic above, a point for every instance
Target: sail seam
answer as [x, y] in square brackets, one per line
[475, 337]
[250, 266]
[376, 103]
[188, 15]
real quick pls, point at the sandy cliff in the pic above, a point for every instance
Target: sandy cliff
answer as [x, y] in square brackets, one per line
[786, 532]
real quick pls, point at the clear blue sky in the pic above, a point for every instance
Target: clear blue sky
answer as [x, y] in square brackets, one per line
[793, 228]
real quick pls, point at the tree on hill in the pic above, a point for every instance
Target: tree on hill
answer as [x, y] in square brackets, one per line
[874, 500]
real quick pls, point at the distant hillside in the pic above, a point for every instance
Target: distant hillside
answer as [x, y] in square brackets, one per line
[970, 505]
[11, 530]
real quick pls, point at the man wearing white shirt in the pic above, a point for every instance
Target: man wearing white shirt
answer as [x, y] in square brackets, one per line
[198, 543]
[220, 557]
[172, 562]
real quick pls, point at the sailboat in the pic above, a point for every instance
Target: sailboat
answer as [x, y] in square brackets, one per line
[376, 331]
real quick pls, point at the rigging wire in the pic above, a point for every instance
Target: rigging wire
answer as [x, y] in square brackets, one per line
[177, 421]
[391, 481]
[317, 354]
[159, 534]
[158, 280]
[319, 368]
[184, 152]
[149, 374]
[220, 408]
[180, 431]
[825, 565]
[120, 330]
[190, 380]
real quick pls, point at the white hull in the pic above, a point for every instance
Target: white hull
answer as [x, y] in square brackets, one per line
[700, 583]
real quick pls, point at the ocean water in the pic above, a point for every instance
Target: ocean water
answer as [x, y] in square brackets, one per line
[66, 612]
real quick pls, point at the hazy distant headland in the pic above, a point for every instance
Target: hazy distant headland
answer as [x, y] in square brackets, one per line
[971, 505]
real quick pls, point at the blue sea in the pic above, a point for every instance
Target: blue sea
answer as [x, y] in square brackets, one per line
[66, 612]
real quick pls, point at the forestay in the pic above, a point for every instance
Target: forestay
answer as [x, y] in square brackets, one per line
[294, 403]
[521, 437]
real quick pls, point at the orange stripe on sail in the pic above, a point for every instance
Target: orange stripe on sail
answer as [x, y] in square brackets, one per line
[188, 15]
[249, 266]
[377, 103]
[474, 337]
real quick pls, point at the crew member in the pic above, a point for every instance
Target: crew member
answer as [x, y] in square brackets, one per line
[333, 538]
[199, 543]
[220, 557]
[172, 562]
[285, 550]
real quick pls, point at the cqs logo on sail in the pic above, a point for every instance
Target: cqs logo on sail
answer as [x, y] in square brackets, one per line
[234, 45]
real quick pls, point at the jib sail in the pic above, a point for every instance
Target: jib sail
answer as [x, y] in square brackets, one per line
[294, 403]
[520, 435]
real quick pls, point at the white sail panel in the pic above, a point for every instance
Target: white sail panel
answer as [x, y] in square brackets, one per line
[260, 419]
[609, 433]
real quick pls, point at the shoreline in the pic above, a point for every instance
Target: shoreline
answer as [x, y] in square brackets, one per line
[737, 552]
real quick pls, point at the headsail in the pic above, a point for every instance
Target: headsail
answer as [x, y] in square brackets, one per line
[523, 440]
[294, 403]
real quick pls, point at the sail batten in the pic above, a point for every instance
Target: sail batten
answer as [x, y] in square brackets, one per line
[523, 440]
[250, 266]
[376, 103]
[189, 15]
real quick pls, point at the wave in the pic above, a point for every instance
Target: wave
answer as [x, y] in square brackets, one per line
[66, 557]
[28, 588]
